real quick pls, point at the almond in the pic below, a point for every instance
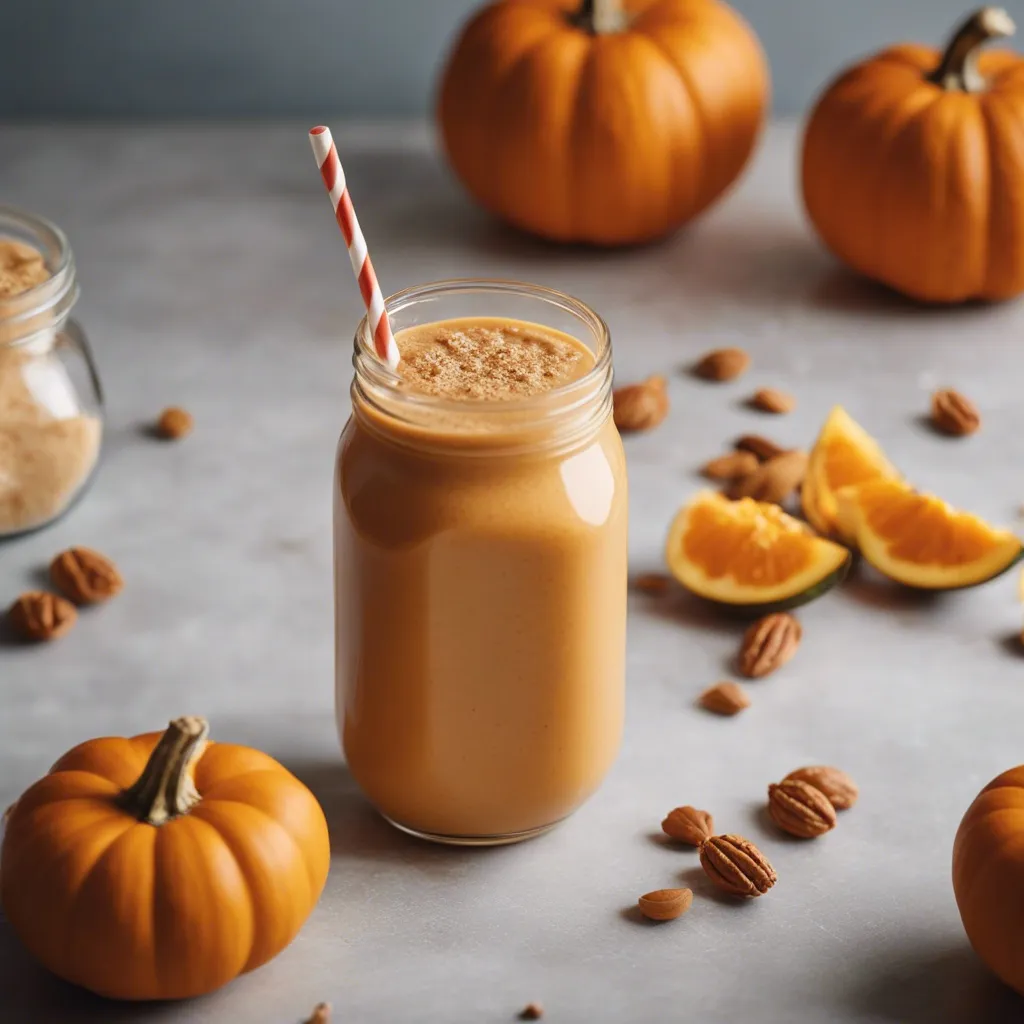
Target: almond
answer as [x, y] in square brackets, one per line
[763, 448]
[641, 406]
[722, 364]
[531, 1011]
[725, 699]
[768, 644]
[800, 809]
[731, 466]
[688, 825]
[773, 481]
[321, 1014]
[174, 424]
[737, 866]
[654, 583]
[772, 400]
[840, 789]
[85, 576]
[39, 616]
[954, 414]
[665, 904]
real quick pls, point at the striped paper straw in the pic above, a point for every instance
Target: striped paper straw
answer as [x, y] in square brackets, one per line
[334, 178]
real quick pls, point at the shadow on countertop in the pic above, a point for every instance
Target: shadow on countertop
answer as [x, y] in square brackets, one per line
[925, 982]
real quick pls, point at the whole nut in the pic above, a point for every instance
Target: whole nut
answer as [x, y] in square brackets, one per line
[772, 481]
[688, 825]
[737, 866]
[85, 576]
[800, 809]
[640, 406]
[725, 699]
[531, 1011]
[954, 414]
[730, 466]
[665, 904]
[39, 616]
[321, 1014]
[768, 644]
[174, 424]
[722, 364]
[759, 446]
[772, 400]
[840, 789]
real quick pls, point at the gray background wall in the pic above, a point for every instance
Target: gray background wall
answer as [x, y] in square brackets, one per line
[355, 58]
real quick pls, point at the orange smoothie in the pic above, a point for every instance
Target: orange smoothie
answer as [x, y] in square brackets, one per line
[480, 539]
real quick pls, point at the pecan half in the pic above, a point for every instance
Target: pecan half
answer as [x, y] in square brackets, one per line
[85, 576]
[531, 1011]
[321, 1014]
[840, 789]
[39, 616]
[800, 809]
[736, 865]
[768, 644]
[954, 414]
[688, 825]
[174, 424]
[640, 406]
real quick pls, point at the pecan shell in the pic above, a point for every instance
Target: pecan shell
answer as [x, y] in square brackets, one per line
[768, 644]
[800, 809]
[688, 825]
[85, 576]
[736, 865]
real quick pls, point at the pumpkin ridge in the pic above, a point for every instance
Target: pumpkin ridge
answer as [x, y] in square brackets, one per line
[259, 810]
[252, 884]
[994, 224]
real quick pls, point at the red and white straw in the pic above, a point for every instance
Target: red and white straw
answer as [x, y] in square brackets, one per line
[334, 178]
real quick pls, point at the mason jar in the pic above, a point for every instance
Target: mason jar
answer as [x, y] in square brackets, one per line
[51, 405]
[480, 576]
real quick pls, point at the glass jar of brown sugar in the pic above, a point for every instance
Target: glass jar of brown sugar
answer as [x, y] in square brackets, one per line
[51, 421]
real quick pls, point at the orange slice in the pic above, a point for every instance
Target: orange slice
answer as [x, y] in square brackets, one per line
[750, 554]
[844, 455]
[919, 540]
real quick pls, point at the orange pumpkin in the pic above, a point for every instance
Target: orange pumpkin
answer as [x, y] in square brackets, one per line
[161, 867]
[988, 875]
[606, 121]
[913, 167]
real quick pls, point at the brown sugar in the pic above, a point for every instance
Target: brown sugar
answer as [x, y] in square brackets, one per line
[489, 359]
[47, 449]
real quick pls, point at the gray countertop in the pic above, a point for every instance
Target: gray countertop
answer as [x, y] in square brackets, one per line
[213, 277]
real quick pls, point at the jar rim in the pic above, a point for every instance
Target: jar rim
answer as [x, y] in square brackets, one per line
[39, 307]
[368, 365]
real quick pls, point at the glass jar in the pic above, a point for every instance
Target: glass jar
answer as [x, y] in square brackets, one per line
[480, 582]
[51, 420]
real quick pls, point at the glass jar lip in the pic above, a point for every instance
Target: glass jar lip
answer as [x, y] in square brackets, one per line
[369, 367]
[53, 297]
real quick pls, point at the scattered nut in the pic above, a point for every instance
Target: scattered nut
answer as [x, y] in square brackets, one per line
[532, 1011]
[731, 466]
[39, 616]
[174, 424]
[321, 1014]
[768, 644]
[954, 414]
[665, 904]
[688, 825]
[85, 576]
[641, 406]
[722, 364]
[772, 400]
[800, 809]
[773, 481]
[759, 446]
[840, 789]
[655, 583]
[736, 865]
[725, 699]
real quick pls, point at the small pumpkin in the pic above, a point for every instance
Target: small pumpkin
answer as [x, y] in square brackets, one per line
[602, 121]
[913, 168]
[988, 875]
[162, 866]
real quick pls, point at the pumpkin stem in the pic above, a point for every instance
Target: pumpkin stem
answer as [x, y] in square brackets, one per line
[166, 788]
[601, 16]
[958, 69]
